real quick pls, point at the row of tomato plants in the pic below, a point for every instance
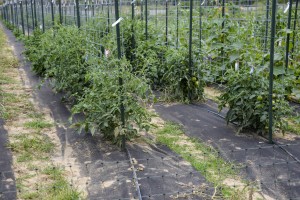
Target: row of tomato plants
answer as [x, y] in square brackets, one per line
[90, 78]
[233, 55]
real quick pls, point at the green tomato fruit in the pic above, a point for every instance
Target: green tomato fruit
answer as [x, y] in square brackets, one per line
[259, 98]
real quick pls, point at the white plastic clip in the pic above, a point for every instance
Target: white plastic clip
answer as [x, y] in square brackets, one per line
[133, 2]
[287, 7]
[118, 21]
[203, 3]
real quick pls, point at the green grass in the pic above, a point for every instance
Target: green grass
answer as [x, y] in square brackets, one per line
[293, 125]
[202, 157]
[6, 80]
[60, 189]
[56, 187]
[38, 124]
[25, 157]
[13, 105]
[31, 147]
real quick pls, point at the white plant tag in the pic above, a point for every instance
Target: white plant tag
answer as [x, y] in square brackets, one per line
[287, 7]
[118, 21]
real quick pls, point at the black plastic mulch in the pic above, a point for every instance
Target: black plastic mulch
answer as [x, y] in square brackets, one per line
[7, 179]
[275, 169]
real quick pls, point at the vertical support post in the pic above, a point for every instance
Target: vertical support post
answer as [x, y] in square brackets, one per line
[2, 13]
[177, 24]
[108, 17]
[27, 20]
[223, 14]
[156, 13]
[200, 27]
[294, 27]
[35, 17]
[65, 13]
[133, 34]
[122, 109]
[74, 11]
[78, 13]
[12, 12]
[43, 18]
[166, 22]
[287, 48]
[32, 14]
[52, 12]
[273, 29]
[146, 19]
[132, 9]
[16, 14]
[223, 39]
[93, 8]
[267, 25]
[142, 10]
[85, 10]
[7, 12]
[59, 10]
[22, 17]
[190, 46]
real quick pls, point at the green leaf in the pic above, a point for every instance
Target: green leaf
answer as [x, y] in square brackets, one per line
[277, 57]
[278, 71]
[234, 57]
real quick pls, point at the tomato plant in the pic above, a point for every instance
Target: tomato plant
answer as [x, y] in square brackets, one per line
[101, 102]
[246, 96]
